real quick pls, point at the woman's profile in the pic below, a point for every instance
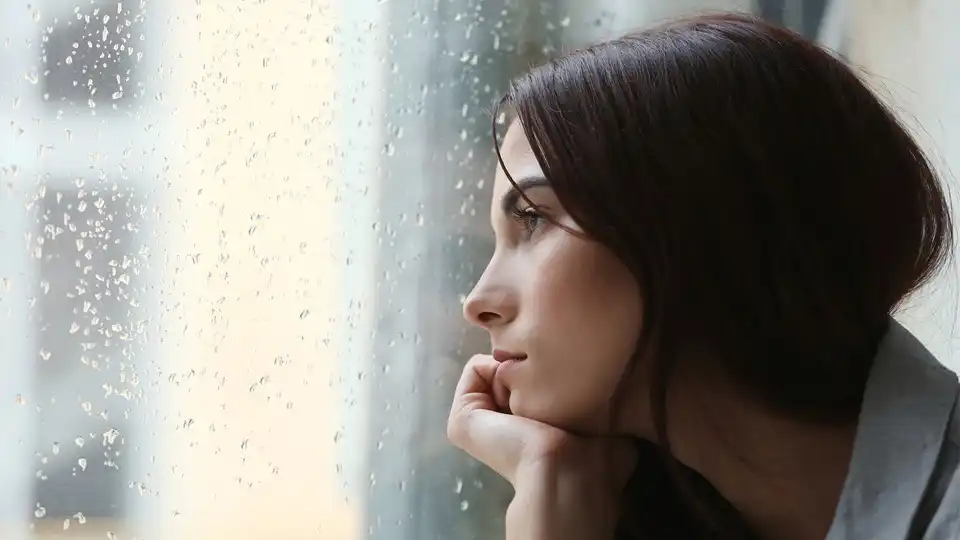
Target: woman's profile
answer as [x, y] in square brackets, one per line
[702, 232]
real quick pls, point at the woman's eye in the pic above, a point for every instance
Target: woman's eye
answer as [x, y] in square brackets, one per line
[529, 218]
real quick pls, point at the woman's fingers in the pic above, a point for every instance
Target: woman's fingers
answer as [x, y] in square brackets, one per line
[508, 444]
[501, 396]
[475, 388]
[476, 426]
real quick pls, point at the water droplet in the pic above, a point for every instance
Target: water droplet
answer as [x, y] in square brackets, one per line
[79, 442]
[304, 314]
[56, 448]
[565, 22]
[40, 512]
[110, 436]
[81, 519]
[82, 462]
[68, 60]
[464, 506]
[20, 400]
[459, 488]
[86, 406]
[66, 524]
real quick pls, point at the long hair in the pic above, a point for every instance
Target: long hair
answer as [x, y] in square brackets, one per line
[772, 209]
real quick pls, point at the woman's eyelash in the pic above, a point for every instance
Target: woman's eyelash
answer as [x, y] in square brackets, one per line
[529, 217]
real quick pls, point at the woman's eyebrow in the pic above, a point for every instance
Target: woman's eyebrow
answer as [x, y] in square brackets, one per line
[510, 198]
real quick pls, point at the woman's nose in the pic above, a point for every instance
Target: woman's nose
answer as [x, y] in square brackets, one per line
[490, 307]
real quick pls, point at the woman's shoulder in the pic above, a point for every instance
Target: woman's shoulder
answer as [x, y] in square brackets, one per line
[941, 511]
[903, 478]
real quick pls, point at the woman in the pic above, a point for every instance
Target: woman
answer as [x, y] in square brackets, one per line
[702, 231]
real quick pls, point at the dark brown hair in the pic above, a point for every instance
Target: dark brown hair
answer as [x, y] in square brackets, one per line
[773, 211]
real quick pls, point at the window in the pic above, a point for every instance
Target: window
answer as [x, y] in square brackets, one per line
[89, 54]
[234, 242]
[86, 367]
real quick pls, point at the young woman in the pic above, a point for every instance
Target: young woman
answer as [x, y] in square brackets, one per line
[701, 233]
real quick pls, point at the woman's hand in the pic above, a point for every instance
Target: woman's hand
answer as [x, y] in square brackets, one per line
[566, 487]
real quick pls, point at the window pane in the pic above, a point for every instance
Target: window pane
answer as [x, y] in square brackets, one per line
[235, 238]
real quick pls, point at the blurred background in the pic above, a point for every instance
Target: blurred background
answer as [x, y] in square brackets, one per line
[235, 237]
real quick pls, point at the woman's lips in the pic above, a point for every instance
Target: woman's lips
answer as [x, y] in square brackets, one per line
[502, 356]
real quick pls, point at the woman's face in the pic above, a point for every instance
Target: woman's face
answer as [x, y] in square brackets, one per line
[565, 306]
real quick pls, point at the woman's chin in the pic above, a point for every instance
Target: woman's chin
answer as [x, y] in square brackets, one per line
[523, 408]
[577, 425]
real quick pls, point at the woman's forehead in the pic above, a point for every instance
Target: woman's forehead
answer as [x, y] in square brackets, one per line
[517, 154]
[515, 143]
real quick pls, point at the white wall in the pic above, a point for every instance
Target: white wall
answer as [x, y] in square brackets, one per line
[910, 50]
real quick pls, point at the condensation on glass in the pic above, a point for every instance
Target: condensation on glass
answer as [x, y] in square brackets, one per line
[235, 238]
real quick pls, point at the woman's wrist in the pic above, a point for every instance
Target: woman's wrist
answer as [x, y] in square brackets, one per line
[561, 505]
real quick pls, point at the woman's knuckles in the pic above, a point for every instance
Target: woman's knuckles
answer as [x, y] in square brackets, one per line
[518, 448]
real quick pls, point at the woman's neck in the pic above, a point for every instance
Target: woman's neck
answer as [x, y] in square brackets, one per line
[784, 476]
